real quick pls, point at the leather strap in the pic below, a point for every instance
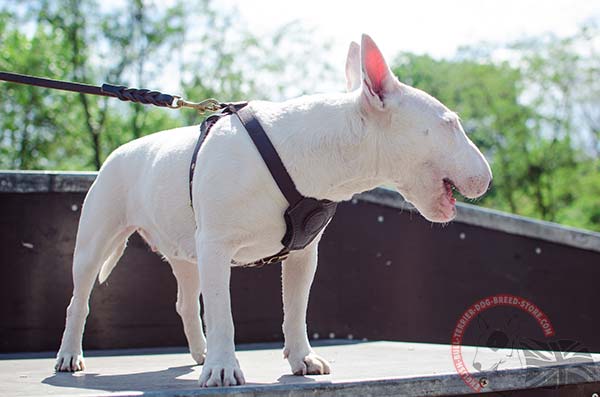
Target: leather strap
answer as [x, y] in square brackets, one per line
[205, 127]
[269, 154]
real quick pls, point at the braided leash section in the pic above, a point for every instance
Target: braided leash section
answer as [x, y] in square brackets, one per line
[139, 95]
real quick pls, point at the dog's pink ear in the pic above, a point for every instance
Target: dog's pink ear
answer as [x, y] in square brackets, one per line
[378, 80]
[353, 67]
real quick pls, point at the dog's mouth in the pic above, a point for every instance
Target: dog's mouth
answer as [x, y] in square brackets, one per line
[450, 187]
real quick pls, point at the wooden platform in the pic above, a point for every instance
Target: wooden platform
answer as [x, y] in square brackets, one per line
[359, 369]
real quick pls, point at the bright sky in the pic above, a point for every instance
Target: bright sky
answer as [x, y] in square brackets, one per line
[435, 27]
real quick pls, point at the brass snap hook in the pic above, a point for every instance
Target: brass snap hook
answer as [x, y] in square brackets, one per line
[207, 105]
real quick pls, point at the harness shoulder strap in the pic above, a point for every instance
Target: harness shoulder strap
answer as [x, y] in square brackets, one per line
[269, 154]
[205, 128]
[305, 217]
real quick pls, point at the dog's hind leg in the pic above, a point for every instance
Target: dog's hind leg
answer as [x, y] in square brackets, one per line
[188, 306]
[101, 238]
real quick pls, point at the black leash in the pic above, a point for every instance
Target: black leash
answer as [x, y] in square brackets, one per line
[136, 95]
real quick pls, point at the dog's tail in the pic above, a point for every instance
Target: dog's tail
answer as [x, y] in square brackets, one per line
[110, 263]
[103, 227]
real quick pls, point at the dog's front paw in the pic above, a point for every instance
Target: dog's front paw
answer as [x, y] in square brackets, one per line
[69, 362]
[307, 364]
[221, 373]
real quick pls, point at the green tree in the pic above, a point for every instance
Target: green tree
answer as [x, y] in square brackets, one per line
[129, 38]
[205, 48]
[31, 117]
[52, 129]
[561, 79]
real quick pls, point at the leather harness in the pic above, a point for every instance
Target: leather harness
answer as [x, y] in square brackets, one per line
[305, 217]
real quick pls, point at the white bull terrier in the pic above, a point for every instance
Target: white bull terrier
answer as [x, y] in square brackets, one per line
[381, 132]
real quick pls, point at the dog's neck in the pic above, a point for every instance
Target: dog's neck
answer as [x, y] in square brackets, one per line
[325, 145]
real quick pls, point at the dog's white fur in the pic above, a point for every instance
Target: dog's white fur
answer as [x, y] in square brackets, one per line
[336, 145]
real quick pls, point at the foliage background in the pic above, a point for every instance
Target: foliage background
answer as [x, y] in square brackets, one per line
[533, 106]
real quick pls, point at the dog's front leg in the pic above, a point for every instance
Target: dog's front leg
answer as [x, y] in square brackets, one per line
[298, 272]
[221, 367]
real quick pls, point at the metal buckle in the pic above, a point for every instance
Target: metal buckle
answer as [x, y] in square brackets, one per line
[275, 259]
[207, 105]
[268, 261]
